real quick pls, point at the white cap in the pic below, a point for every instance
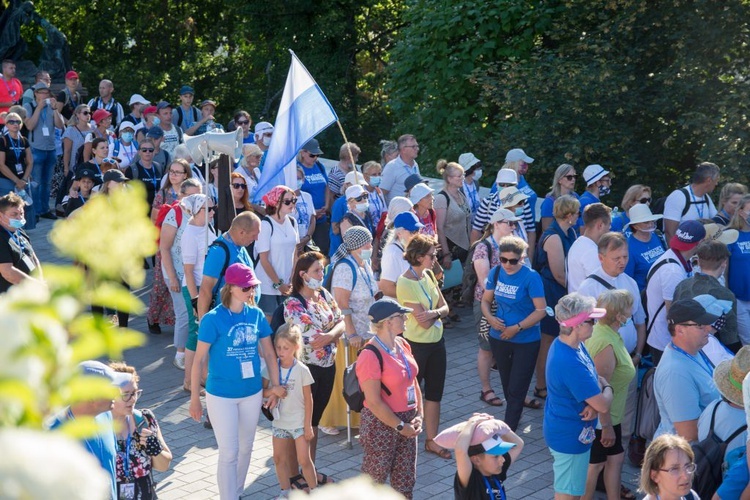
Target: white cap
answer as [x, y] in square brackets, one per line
[137, 99]
[503, 214]
[511, 196]
[593, 173]
[518, 154]
[468, 160]
[418, 192]
[506, 176]
[99, 369]
[262, 128]
[355, 178]
[126, 124]
[354, 191]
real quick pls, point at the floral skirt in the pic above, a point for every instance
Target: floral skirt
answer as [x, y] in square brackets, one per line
[160, 304]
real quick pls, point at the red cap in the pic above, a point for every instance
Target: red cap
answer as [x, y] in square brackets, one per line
[149, 110]
[100, 114]
[70, 75]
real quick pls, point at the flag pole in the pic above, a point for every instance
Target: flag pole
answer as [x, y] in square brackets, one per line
[349, 150]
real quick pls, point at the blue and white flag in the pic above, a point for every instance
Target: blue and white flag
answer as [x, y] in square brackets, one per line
[304, 113]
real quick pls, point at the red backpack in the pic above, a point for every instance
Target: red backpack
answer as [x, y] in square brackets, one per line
[163, 211]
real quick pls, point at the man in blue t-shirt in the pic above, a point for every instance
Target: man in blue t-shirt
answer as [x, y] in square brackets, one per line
[228, 249]
[102, 445]
[316, 183]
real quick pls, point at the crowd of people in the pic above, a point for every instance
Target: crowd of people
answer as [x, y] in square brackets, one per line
[355, 263]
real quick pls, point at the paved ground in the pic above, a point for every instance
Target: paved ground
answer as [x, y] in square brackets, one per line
[193, 471]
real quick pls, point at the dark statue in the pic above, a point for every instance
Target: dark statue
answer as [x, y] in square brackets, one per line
[55, 57]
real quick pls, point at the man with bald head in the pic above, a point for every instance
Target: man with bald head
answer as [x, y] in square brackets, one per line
[107, 102]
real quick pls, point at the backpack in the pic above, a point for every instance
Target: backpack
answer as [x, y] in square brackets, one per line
[221, 244]
[162, 214]
[644, 294]
[657, 207]
[277, 319]
[352, 391]
[136, 172]
[328, 278]
[181, 116]
[255, 256]
[647, 419]
[469, 280]
[709, 459]
[118, 143]
[600, 280]
[447, 198]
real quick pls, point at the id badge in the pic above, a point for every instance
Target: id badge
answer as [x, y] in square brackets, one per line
[127, 491]
[19, 168]
[29, 262]
[438, 323]
[411, 396]
[45, 131]
[247, 369]
[587, 435]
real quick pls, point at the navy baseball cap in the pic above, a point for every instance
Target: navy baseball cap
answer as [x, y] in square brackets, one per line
[385, 308]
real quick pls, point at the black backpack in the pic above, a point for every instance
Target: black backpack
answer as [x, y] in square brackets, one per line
[709, 459]
[255, 256]
[277, 319]
[469, 279]
[644, 295]
[657, 207]
[352, 391]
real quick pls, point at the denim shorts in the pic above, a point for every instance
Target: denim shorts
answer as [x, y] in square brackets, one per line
[287, 434]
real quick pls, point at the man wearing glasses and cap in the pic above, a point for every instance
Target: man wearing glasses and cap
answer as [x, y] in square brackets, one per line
[316, 183]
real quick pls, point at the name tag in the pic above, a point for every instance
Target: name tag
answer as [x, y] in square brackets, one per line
[127, 491]
[19, 168]
[411, 396]
[247, 369]
[29, 262]
[438, 324]
[45, 131]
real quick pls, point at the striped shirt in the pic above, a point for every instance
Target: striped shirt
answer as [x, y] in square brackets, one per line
[489, 206]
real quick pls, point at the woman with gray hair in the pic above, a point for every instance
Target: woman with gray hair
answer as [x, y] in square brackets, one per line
[575, 395]
[354, 287]
[388, 151]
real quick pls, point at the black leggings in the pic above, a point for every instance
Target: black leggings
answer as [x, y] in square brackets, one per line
[321, 390]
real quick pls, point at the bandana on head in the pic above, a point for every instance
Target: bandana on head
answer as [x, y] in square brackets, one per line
[193, 203]
[354, 238]
[271, 198]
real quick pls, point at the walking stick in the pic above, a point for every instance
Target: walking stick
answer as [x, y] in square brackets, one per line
[348, 410]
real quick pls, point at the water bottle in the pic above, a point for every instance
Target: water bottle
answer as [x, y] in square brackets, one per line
[27, 199]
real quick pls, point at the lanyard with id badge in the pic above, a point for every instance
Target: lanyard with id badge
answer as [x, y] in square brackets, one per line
[411, 395]
[26, 258]
[126, 489]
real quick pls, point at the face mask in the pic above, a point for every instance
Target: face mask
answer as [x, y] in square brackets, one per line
[375, 181]
[127, 136]
[363, 207]
[17, 223]
[314, 283]
[477, 175]
[266, 141]
[156, 121]
[366, 254]
[300, 183]
[519, 212]
[648, 229]
[604, 190]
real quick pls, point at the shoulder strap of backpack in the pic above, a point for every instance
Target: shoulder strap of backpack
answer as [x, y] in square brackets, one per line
[194, 112]
[374, 349]
[736, 433]
[601, 280]
[447, 198]
[266, 218]
[221, 244]
[684, 191]
[655, 268]
[179, 116]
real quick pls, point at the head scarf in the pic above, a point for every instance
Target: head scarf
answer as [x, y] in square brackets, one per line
[193, 203]
[271, 198]
[354, 238]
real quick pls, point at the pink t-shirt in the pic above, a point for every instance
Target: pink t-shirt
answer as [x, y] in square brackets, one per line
[394, 374]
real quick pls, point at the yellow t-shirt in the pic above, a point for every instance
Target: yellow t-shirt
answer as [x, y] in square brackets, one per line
[424, 292]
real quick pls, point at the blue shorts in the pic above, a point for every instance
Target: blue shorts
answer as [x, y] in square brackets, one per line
[735, 480]
[570, 472]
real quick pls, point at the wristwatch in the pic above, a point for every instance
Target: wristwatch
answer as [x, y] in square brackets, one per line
[278, 285]
[400, 426]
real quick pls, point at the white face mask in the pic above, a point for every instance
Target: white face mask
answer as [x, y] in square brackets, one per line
[314, 283]
[267, 141]
[300, 183]
[363, 207]
[477, 174]
[366, 254]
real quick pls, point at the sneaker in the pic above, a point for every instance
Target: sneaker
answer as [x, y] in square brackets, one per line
[154, 329]
[331, 431]
[179, 363]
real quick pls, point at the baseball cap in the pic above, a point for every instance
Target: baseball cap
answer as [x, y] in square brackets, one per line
[313, 147]
[263, 127]
[468, 160]
[39, 86]
[71, 75]
[162, 105]
[240, 275]
[126, 124]
[689, 233]
[595, 313]
[412, 181]
[510, 196]
[418, 192]
[99, 369]
[149, 110]
[384, 308]
[208, 102]
[408, 221]
[187, 89]
[137, 99]
[593, 173]
[682, 311]
[114, 175]
[354, 191]
[155, 132]
[516, 155]
[85, 172]
[506, 176]
[100, 114]
[355, 178]
[503, 214]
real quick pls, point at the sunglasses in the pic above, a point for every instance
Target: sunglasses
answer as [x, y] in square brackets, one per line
[590, 321]
[312, 155]
[111, 160]
[246, 289]
[361, 197]
[512, 262]
[212, 209]
[244, 122]
[238, 185]
[13, 122]
[511, 223]
[147, 150]
[85, 112]
[644, 201]
[571, 177]
[290, 201]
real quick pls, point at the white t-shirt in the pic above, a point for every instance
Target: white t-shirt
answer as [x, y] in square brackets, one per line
[583, 259]
[251, 183]
[171, 140]
[126, 154]
[675, 204]
[176, 250]
[292, 407]
[728, 420]
[392, 264]
[194, 248]
[304, 211]
[283, 242]
[90, 138]
[660, 288]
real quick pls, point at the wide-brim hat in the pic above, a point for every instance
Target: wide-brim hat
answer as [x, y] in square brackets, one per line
[510, 196]
[641, 213]
[717, 232]
[729, 374]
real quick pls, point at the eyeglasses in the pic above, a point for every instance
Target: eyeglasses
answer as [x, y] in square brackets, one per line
[512, 262]
[433, 255]
[127, 396]
[361, 197]
[397, 316]
[510, 223]
[85, 112]
[239, 185]
[571, 177]
[243, 122]
[312, 155]
[177, 172]
[413, 146]
[147, 150]
[691, 324]
[246, 289]
[644, 201]
[290, 201]
[677, 470]
[13, 122]
[590, 321]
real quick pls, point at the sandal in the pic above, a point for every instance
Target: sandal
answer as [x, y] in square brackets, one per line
[324, 479]
[493, 401]
[534, 404]
[626, 493]
[540, 392]
[440, 451]
[298, 483]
